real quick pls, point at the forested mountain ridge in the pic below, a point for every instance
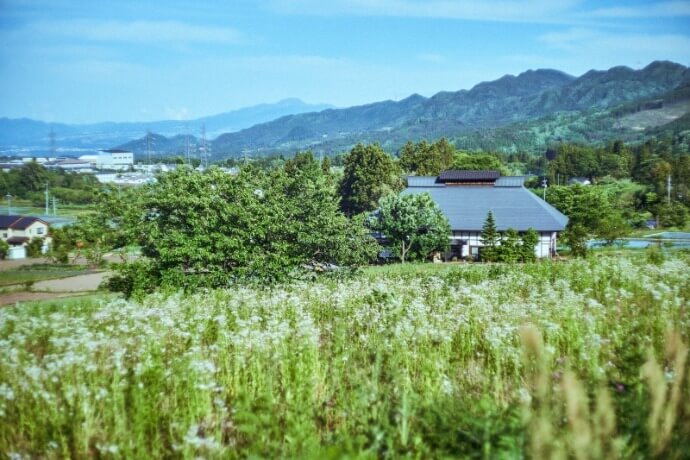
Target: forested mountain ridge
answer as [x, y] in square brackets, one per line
[523, 113]
[534, 98]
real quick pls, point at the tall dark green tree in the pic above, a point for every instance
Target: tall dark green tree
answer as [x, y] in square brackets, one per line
[529, 241]
[490, 239]
[369, 174]
[509, 249]
[426, 159]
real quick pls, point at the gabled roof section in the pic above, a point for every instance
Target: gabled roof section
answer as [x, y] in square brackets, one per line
[18, 222]
[456, 176]
[510, 181]
[423, 181]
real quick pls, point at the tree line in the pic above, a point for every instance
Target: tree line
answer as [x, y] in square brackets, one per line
[301, 215]
[29, 182]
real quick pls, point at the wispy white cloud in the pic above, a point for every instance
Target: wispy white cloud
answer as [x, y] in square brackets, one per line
[519, 11]
[503, 10]
[655, 10]
[134, 31]
[577, 50]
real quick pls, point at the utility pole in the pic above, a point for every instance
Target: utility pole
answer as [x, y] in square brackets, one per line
[148, 147]
[47, 209]
[186, 155]
[543, 183]
[9, 204]
[668, 189]
[203, 146]
[54, 206]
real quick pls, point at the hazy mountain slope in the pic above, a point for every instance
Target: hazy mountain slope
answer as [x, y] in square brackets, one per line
[532, 95]
[24, 133]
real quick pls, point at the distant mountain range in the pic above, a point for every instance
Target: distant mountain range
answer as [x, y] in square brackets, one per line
[486, 116]
[514, 113]
[26, 136]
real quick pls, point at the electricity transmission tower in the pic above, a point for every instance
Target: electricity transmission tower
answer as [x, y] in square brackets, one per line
[204, 147]
[51, 137]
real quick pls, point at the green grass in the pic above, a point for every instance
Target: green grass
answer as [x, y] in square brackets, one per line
[574, 359]
[69, 211]
[39, 272]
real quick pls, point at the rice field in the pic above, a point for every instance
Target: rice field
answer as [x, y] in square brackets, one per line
[584, 359]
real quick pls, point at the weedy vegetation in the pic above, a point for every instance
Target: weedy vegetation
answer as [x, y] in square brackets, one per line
[582, 359]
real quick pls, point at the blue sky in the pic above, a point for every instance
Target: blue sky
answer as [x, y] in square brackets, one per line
[79, 61]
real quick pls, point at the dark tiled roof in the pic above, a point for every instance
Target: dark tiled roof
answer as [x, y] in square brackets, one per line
[513, 207]
[18, 240]
[469, 176]
[114, 151]
[18, 222]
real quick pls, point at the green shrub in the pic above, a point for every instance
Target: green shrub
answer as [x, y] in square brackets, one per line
[35, 247]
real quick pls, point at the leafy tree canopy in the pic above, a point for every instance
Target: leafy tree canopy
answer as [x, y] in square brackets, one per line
[369, 174]
[425, 159]
[478, 162]
[211, 229]
[413, 224]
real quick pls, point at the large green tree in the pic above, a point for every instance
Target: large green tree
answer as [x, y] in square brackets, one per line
[211, 229]
[369, 174]
[414, 225]
[427, 159]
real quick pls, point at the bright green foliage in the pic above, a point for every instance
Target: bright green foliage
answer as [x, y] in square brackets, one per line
[576, 236]
[672, 215]
[370, 173]
[29, 181]
[413, 224]
[33, 177]
[62, 242]
[490, 239]
[529, 241]
[591, 212]
[213, 229]
[478, 162]
[4, 249]
[573, 161]
[34, 247]
[612, 227]
[435, 361]
[94, 235]
[509, 249]
[426, 159]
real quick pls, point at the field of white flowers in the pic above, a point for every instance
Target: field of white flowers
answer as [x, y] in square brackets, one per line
[583, 359]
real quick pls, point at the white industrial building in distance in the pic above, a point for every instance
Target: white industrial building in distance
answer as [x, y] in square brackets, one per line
[111, 159]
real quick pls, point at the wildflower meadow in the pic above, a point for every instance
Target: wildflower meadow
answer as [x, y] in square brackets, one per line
[579, 359]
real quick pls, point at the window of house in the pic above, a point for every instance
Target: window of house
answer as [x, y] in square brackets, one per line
[39, 230]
